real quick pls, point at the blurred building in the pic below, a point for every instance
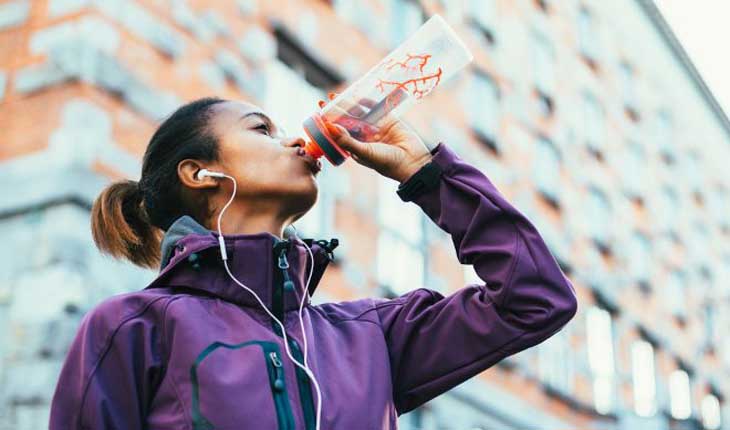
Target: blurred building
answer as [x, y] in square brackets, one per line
[588, 115]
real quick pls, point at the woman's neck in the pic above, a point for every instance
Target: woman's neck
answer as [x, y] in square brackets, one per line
[238, 219]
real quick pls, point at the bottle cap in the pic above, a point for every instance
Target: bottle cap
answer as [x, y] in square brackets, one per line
[320, 137]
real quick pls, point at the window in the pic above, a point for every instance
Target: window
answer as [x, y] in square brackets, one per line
[628, 88]
[598, 209]
[292, 51]
[587, 36]
[644, 379]
[407, 17]
[314, 223]
[362, 16]
[544, 64]
[665, 207]
[394, 214]
[633, 168]
[558, 241]
[454, 11]
[26, 309]
[675, 294]
[547, 170]
[483, 14]
[711, 332]
[711, 415]
[679, 395]
[692, 171]
[717, 198]
[638, 257]
[442, 130]
[664, 135]
[593, 123]
[400, 266]
[601, 358]
[556, 362]
[482, 108]
[544, 5]
[400, 257]
[291, 103]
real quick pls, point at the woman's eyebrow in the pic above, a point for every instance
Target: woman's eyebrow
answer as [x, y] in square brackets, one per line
[261, 115]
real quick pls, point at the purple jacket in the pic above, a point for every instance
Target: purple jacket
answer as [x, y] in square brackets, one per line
[195, 351]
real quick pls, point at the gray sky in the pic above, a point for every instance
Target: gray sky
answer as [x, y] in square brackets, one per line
[703, 27]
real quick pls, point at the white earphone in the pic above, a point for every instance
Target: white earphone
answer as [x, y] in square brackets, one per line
[221, 242]
[205, 172]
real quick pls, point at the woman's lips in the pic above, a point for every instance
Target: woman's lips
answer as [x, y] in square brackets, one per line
[314, 164]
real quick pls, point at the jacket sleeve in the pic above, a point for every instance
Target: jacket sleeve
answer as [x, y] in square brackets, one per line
[434, 342]
[111, 370]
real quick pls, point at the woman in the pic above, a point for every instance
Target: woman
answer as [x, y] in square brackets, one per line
[196, 349]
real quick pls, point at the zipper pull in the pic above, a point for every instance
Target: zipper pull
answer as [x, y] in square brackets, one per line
[283, 265]
[283, 262]
[278, 380]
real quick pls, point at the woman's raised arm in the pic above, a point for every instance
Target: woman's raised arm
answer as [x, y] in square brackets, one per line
[437, 342]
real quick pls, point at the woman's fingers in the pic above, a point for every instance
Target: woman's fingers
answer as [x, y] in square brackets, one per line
[350, 144]
[368, 103]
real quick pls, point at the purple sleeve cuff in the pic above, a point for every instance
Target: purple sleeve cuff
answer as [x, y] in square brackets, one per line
[427, 177]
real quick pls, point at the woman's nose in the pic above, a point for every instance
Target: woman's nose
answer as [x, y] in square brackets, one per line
[293, 141]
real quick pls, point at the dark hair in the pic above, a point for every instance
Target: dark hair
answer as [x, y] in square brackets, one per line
[128, 217]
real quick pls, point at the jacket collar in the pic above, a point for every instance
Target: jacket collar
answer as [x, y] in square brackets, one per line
[191, 259]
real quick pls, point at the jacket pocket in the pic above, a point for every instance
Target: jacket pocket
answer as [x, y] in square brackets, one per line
[240, 386]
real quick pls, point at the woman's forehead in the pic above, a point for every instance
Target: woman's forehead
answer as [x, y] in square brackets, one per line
[237, 108]
[231, 112]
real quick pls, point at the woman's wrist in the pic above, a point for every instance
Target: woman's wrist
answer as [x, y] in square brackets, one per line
[423, 180]
[413, 167]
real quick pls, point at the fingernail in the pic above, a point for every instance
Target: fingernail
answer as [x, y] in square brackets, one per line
[322, 103]
[331, 95]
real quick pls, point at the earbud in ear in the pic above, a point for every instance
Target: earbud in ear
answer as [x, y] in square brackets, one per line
[205, 172]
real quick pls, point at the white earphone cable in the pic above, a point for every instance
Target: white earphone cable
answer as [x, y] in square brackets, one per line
[305, 294]
[304, 366]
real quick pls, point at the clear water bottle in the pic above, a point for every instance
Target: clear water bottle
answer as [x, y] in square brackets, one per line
[428, 58]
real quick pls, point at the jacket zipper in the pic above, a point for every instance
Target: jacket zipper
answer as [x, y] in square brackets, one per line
[283, 282]
[277, 299]
[278, 389]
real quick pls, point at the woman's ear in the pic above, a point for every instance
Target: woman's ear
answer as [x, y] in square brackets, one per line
[187, 172]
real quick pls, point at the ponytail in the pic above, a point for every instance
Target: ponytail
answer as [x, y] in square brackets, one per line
[128, 218]
[121, 227]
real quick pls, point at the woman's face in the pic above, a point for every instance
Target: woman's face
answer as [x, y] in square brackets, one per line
[267, 165]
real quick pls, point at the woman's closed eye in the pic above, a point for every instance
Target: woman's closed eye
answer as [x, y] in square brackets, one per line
[264, 127]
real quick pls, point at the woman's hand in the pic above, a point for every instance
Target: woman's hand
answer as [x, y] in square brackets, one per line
[397, 152]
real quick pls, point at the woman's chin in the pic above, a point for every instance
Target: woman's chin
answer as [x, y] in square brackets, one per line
[305, 190]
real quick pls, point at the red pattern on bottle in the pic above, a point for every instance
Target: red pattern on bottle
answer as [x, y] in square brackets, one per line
[415, 63]
[417, 86]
